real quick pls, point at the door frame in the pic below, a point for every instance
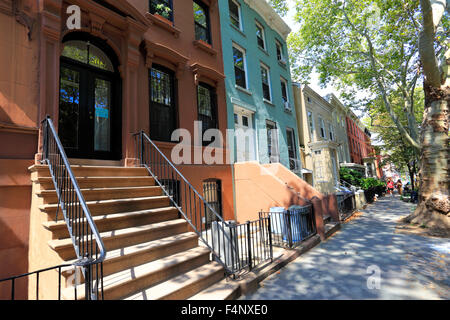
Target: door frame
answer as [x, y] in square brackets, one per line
[87, 75]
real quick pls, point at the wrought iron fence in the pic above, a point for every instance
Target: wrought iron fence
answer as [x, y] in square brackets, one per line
[250, 244]
[11, 283]
[85, 237]
[290, 227]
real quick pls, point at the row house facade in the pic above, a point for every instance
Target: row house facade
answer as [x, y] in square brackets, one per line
[319, 143]
[130, 66]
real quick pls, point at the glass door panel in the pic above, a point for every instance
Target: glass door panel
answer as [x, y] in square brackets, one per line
[69, 108]
[102, 119]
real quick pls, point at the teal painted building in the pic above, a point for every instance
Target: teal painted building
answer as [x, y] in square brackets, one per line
[258, 84]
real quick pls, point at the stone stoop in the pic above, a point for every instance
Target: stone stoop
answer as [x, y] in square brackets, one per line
[151, 252]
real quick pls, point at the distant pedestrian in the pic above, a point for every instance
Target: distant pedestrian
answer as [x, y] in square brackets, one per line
[390, 186]
[399, 186]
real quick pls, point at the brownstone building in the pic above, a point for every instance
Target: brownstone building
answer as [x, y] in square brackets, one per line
[128, 67]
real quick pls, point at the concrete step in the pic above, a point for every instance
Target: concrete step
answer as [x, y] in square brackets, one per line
[132, 256]
[116, 205]
[50, 196]
[124, 237]
[184, 285]
[115, 221]
[226, 289]
[94, 171]
[46, 183]
[127, 282]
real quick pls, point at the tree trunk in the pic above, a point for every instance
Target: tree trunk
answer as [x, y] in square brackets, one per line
[434, 201]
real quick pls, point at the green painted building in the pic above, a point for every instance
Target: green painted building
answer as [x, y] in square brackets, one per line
[258, 84]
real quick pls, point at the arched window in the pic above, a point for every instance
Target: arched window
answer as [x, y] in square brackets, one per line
[86, 52]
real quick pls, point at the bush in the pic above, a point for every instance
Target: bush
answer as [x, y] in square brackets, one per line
[350, 176]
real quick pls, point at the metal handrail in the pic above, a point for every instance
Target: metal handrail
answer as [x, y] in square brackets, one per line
[81, 226]
[167, 168]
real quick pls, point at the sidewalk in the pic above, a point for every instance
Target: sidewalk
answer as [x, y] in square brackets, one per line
[411, 267]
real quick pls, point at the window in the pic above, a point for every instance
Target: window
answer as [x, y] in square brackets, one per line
[280, 55]
[236, 119]
[311, 125]
[162, 8]
[212, 193]
[331, 131]
[87, 53]
[206, 104]
[239, 67]
[293, 165]
[245, 121]
[265, 82]
[322, 127]
[260, 36]
[284, 93]
[272, 141]
[201, 20]
[162, 103]
[235, 13]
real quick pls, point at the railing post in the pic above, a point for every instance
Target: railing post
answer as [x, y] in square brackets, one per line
[249, 246]
[270, 238]
[141, 135]
[288, 227]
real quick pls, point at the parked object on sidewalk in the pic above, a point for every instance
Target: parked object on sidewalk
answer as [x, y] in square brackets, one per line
[290, 227]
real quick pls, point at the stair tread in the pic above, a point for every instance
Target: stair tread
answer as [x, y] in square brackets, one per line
[44, 179]
[53, 191]
[165, 288]
[44, 166]
[134, 273]
[67, 242]
[222, 290]
[111, 216]
[111, 201]
[144, 246]
[135, 249]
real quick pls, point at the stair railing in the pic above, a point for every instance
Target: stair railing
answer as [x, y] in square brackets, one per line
[86, 239]
[190, 204]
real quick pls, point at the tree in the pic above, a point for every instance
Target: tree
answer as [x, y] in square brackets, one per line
[434, 198]
[372, 46]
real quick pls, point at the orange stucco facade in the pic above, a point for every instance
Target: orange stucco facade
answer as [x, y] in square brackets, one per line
[31, 42]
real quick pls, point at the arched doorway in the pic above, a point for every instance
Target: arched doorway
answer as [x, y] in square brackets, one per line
[89, 123]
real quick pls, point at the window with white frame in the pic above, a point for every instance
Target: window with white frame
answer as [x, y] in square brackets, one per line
[260, 36]
[265, 79]
[322, 127]
[284, 94]
[240, 66]
[331, 131]
[235, 13]
[280, 54]
[311, 125]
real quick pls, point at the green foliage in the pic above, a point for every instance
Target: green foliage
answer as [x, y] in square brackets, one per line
[367, 183]
[280, 6]
[350, 176]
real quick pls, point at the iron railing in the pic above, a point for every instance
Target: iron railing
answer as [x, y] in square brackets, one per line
[86, 239]
[216, 233]
[346, 204]
[291, 227]
[15, 281]
[250, 244]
